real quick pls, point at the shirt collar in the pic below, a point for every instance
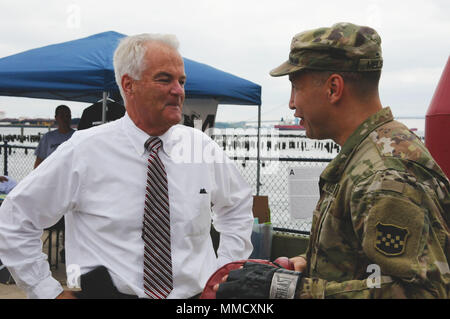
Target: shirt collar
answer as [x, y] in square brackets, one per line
[138, 137]
[336, 167]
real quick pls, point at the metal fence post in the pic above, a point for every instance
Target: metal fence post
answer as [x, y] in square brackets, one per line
[258, 161]
[5, 159]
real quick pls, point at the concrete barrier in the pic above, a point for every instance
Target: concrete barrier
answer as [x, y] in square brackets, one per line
[288, 245]
[283, 244]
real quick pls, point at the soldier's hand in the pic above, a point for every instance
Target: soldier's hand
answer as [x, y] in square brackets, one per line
[260, 281]
[299, 263]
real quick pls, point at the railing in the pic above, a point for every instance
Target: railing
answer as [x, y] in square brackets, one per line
[273, 182]
[18, 161]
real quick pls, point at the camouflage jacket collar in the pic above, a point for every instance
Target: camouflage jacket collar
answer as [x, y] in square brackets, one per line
[334, 170]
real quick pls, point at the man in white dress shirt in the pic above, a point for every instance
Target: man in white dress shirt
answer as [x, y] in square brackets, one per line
[97, 180]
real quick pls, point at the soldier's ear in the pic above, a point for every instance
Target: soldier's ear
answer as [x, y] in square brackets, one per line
[335, 87]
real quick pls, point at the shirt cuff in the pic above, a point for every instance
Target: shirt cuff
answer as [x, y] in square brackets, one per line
[49, 288]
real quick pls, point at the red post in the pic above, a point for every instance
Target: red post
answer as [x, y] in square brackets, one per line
[437, 122]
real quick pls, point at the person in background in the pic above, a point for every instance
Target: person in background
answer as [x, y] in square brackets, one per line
[49, 143]
[381, 226]
[51, 140]
[138, 195]
[6, 184]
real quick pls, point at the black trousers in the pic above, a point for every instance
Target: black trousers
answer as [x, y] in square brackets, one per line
[97, 284]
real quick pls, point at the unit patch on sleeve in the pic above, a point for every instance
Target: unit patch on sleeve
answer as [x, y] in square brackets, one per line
[391, 239]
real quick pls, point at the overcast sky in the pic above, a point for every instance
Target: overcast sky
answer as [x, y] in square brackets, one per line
[246, 38]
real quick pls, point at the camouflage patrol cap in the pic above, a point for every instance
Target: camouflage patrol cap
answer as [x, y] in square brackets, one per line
[343, 47]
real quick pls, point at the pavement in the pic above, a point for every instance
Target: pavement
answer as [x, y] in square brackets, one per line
[11, 291]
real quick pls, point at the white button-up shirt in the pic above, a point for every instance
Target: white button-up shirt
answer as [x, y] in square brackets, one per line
[97, 180]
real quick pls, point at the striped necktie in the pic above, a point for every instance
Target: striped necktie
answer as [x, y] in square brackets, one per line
[158, 281]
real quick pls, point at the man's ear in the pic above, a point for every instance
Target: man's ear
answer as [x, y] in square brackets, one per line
[127, 85]
[335, 88]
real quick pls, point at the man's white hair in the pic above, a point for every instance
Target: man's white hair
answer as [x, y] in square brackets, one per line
[129, 55]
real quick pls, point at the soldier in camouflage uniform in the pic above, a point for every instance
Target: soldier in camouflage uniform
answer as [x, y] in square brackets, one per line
[381, 226]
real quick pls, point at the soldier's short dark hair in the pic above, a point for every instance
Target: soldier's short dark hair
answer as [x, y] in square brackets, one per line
[363, 84]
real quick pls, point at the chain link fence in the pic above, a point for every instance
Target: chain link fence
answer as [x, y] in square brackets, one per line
[18, 161]
[274, 184]
[278, 154]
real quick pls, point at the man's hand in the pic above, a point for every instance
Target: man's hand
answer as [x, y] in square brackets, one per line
[66, 294]
[259, 281]
[299, 263]
[3, 179]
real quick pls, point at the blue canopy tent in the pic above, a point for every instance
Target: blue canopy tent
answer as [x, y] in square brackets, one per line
[82, 70]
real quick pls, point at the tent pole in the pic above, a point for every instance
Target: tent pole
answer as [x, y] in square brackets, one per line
[258, 160]
[105, 97]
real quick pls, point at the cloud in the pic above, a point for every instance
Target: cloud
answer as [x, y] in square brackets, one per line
[415, 76]
[246, 38]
